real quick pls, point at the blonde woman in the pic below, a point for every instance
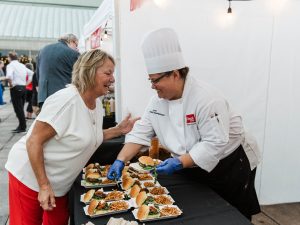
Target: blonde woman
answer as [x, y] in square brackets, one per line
[44, 164]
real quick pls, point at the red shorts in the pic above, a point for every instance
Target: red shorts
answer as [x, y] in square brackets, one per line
[25, 209]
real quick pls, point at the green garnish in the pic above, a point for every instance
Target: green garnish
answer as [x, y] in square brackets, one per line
[126, 197]
[149, 200]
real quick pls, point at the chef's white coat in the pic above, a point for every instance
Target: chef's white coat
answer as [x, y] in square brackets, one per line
[201, 123]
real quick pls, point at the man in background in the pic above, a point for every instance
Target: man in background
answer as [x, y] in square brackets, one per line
[2, 76]
[17, 74]
[54, 66]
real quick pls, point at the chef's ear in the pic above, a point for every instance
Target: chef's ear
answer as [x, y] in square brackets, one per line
[176, 74]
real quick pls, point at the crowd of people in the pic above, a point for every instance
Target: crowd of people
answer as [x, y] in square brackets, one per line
[53, 72]
[191, 119]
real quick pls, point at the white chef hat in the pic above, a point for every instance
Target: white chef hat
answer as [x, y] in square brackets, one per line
[162, 51]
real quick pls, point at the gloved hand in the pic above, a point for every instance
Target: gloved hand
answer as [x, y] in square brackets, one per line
[169, 166]
[115, 171]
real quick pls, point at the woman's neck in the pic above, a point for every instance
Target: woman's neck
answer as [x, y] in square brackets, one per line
[89, 99]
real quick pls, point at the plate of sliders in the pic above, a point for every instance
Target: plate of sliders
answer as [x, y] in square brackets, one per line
[145, 199]
[102, 208]
[99, 194]
[94, 180]
[95, 168]
[152, 212]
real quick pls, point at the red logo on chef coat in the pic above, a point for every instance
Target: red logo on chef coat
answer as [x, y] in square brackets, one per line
[190, 118]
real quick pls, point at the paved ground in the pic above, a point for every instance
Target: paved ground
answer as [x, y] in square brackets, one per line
[283, 214]
[7, 139]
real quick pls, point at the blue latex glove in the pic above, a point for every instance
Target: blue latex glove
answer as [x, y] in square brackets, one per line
[169, 166]
[115, 171]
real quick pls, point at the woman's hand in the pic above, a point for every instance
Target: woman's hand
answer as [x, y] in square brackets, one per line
[46, 197]
[126, 125]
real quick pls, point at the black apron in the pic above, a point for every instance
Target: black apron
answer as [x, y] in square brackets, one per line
[233, 180]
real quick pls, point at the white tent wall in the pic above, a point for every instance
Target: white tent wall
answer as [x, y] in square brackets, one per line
[253, 60]
[280, 177]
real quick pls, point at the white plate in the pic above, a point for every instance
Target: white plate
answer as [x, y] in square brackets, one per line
[108, 212]
[106, 192]
[134, 212]
[136, 206]
[97, 185]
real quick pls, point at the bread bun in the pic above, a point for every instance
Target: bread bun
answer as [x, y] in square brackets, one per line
[143, 212]
[87, 197]
[125, 169]
[141, 198]
[127, 183]
[90, 171]
[92, 207]
[90, 166]
[93, 175]
[135, 190]
[146, 160]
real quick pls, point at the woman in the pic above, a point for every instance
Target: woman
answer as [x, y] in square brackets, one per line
[29, 91]
[43, 164]
[195, 123]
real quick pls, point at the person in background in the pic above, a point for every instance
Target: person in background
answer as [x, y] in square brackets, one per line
[196, 124]
[28, 98]
[44, 164]
[16, 74]
[54, 66]
[34, 101]
[2, 76]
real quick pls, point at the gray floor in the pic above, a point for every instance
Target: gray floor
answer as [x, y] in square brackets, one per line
[283, 214]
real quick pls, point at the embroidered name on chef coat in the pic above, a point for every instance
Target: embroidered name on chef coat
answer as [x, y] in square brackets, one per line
[190, 119]
[154, 111]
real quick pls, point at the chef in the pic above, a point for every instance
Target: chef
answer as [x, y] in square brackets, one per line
[196, 124]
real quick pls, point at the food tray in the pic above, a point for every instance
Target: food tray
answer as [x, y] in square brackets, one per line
[106, 212]
[134, 212]
[86, 184]
[106, 192]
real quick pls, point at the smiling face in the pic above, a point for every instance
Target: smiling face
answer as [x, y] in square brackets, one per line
[168, 85]
[104, 78]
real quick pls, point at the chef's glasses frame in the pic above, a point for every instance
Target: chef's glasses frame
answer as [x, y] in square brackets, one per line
[155, 81]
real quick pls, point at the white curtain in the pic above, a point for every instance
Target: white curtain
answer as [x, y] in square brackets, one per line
[252, 57]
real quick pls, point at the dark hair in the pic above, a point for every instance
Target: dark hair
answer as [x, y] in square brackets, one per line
[13, 55]
[29, 66]
[183, 72]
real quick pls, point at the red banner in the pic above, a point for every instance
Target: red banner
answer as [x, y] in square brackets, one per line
[96, 38]
[134, 4]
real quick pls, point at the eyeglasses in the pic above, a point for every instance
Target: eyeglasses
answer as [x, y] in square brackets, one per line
[155, 81]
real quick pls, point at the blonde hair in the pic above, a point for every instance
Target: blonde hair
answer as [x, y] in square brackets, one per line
[84, 70]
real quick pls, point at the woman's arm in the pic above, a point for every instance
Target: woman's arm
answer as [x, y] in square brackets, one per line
[122, 128]
[41, 133]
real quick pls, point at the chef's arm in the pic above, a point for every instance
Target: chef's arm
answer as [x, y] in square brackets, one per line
[129, 151]
[186, 160]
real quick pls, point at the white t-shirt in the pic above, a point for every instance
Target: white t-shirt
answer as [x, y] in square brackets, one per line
[79, 134]
[18, 72]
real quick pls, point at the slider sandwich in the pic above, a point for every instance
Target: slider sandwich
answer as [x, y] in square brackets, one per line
[147, 212]
[93, 178]
[135, 190]
[128, 182]
[88, 196]
[146, 162]
[142, 198]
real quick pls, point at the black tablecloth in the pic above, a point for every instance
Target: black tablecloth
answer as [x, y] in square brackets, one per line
[200, 205]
